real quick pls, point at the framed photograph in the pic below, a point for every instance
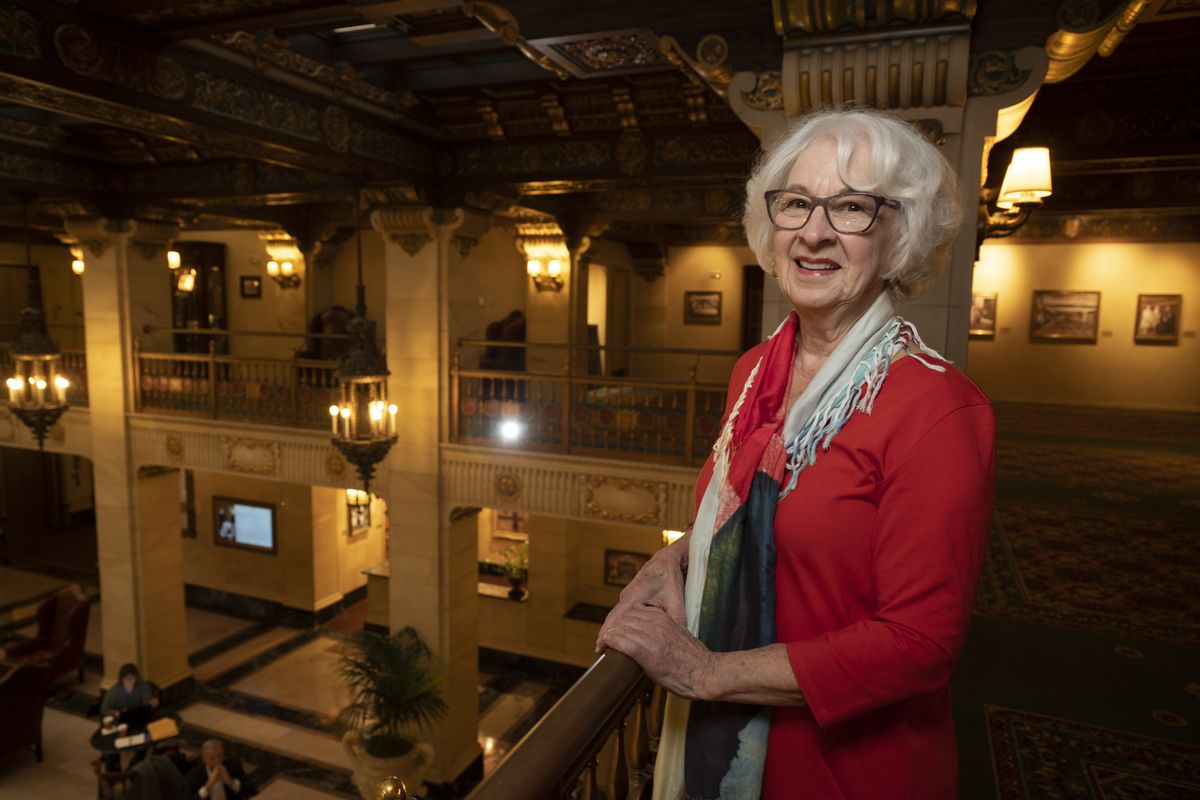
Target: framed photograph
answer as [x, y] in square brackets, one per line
[1157, 320]
[251, 286]
[1064, 317]
[701, 308]
[983, 316]
[358, 518]
[243, 523]
[621, 565]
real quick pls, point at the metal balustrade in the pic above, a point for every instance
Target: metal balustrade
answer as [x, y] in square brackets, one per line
[672, 422]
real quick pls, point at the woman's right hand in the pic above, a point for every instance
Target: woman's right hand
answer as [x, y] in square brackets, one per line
[659, 583]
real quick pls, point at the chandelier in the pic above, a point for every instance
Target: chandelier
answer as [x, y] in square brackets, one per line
[37, 393]
[363, 422]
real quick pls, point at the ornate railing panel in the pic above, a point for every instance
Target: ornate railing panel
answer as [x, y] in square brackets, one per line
[295, 392]
[668, 421]
[601, 736]
[73, 366]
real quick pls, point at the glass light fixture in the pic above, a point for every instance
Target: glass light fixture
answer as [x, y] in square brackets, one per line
[1026, 184]
[77, 266]
[185, 283]
[35, 361]
[283, 273]
[174, 261]
[364, 428]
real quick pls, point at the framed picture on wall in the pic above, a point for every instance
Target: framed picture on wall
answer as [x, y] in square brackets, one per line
[621, 565]
[243, 523]
[983, 316]
[359, 518]
[1071, 317]
[251, 286]
[701, 308]
[1157, 320]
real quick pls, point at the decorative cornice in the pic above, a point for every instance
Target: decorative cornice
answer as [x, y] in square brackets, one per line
[1068, 49]
[409, 226]
[150, 237]
[798, 18]
[100, 58]
[708, 67]
[92, 232]
[500, 21]
[469, 227]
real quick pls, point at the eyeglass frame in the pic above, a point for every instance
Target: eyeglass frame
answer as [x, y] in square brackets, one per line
[823, 203]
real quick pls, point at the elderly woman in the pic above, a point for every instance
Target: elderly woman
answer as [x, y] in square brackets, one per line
[809, 622]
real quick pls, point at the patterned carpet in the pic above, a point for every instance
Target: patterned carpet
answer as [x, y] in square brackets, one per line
[1083, 669]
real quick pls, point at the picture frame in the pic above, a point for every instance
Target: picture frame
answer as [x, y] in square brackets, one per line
[250, 286]
[621, 565]
[1157, 319]
[983, 316]
[702, 308]
[255, 530]
[1068, 317]
[358, 518]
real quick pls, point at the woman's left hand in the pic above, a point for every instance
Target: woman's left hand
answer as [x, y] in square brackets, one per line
[665, 649]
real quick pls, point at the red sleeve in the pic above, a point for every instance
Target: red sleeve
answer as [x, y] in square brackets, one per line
[927, 550]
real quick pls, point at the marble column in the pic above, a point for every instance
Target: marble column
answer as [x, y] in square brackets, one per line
[431, 561]
[125, 288]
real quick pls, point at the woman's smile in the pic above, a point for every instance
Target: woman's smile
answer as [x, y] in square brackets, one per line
[816, 267]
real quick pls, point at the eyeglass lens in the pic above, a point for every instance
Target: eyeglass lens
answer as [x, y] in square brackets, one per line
[848, 213]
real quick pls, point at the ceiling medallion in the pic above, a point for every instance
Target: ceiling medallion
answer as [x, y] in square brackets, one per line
[507, 485]
[591, 55]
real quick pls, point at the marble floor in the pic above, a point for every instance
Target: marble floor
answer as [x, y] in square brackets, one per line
[271, 693]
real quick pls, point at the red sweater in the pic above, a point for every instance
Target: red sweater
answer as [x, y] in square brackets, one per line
[879, 549]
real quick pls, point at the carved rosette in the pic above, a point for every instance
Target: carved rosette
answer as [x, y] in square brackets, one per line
[411, 226]
[507, 485]
[995, 72]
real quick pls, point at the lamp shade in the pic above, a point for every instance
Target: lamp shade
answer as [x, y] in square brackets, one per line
[1027, 179]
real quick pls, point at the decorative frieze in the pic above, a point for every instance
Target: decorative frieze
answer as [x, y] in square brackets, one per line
[19, 33]
[105, 59]
[151, 237]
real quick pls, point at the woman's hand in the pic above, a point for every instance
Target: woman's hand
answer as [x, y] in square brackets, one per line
[659, 583]
[664, 649]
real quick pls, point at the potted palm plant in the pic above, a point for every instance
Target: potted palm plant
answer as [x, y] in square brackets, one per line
[516, 569]
[393, 691]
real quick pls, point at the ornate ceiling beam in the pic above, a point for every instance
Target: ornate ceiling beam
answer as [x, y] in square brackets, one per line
[55, 64]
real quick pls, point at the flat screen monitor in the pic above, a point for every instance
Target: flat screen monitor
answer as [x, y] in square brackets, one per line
[241, 523]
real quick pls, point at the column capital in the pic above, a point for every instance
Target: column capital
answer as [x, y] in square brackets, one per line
[151, 236]
[466, 225]
[410, 226]
[94, 233]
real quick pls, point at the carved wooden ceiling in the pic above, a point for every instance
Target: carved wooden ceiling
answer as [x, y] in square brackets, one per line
[261, 113]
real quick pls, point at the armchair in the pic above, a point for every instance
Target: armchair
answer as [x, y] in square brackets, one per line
[23, 696]
[62, 621]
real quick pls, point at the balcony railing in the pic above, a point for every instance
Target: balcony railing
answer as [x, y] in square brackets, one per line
[73, 366]
[602, 735]
[295, 392]
[672, 422]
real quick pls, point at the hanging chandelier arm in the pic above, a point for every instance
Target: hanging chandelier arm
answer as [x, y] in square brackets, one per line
[361, 307]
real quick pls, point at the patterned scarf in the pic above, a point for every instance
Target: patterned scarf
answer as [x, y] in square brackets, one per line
[717, 750]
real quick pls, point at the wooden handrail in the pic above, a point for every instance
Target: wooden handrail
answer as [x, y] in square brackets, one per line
[686, 351]
[224, 359]
[227, 332]
[548, 761]
[590, 380]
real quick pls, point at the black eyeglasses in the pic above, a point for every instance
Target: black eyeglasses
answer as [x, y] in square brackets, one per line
[848, 212]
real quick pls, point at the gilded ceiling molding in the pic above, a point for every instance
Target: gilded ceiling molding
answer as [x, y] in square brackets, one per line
[410, 226]
[113, 62]
[151, 237]
[19, 34]
[810, 17]
[499, 21]
[94, 233]
[708, 67]
[1068, 50]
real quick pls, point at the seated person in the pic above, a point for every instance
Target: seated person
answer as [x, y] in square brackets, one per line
[155, 778]
[128, 693]
[217, 777]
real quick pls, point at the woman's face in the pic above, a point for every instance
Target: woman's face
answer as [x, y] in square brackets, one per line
[821, 270]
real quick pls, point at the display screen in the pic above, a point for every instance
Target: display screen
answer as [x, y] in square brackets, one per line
[240, 523]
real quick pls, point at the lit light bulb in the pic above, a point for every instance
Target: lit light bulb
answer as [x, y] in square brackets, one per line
[173, 259]
[61, 382]
[510, 430]
[273, 268]
[187, 281]
[77, 266]
[286, 269]
[533, 266]
[554, 268]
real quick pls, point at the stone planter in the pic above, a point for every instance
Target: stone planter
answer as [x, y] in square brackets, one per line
[369, 770]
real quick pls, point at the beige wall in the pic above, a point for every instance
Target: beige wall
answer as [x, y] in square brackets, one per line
[566, 566]
[1112, 372]
[339, 559]
[278, 310]
[62, 292]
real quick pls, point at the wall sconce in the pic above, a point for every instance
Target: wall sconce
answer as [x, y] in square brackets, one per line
[548, 278]
[1026, 183]
[77, 266]
[185, 280]
[173, 259]
[357, 498]
[283, 273]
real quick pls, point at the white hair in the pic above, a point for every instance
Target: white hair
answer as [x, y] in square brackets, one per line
[903, 166]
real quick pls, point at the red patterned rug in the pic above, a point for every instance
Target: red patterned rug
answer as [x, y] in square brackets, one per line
[1044, 758]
